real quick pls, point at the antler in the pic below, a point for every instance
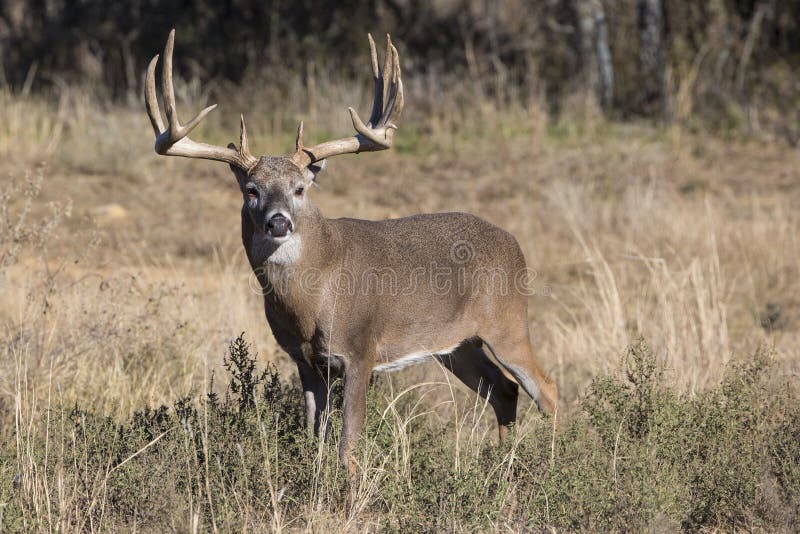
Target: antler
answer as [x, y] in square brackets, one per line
[174, 141]
[377, 134]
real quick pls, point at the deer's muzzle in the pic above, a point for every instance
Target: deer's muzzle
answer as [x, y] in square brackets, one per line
[279, 225]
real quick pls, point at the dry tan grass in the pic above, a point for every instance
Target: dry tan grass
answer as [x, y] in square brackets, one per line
[688, 241]
[123, 280]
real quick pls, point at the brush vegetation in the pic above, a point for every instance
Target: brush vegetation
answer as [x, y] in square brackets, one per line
[634, 456]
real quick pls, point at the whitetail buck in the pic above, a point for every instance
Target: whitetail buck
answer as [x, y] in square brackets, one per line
[346, 297]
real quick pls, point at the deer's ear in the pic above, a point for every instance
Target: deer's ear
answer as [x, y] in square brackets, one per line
[314, 169]
[241, 176]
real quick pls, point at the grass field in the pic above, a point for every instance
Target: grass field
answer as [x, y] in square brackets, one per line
[667, 308]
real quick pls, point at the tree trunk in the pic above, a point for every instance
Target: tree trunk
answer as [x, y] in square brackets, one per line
[651, 57]
[597, 70]
[603, 56]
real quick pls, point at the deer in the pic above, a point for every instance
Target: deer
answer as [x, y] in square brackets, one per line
[348, 297]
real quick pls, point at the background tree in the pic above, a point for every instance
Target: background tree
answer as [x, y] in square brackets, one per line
[728, 55]
[597, 68]
[651, 56]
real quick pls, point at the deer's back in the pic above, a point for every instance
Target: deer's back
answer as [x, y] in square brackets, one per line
[438, 274]
[446, 239]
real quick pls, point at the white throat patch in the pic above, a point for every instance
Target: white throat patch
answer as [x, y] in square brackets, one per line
[287, 252]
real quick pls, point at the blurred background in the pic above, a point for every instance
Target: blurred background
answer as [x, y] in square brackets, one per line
[720, 64]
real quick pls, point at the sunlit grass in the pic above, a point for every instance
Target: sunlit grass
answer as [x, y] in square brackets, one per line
[122, 281]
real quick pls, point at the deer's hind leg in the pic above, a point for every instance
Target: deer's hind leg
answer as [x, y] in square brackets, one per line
[470, 364]
[513, 351]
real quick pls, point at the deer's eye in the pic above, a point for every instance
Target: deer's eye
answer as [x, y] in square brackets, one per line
[252, 193]
[299, 191]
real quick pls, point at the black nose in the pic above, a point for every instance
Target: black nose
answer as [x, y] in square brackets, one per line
[279, 225]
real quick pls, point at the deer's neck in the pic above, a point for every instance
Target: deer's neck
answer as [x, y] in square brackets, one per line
[280, 267]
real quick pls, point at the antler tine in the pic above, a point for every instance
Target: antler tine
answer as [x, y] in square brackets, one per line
[387, 70]
[377, 103]
[174, 140]
[151, 99]
[167, 89]
[394, 104]
[244, 145]
[386, 108]
[367, 131]
[399, 100]
[298, 142]
[176, 131]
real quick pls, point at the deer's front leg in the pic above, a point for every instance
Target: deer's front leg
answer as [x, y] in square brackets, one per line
[356, 381]
[315, 394]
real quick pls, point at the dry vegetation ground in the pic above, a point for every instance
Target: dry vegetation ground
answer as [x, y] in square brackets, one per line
[123, 281]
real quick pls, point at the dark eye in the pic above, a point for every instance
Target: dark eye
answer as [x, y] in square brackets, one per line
[252, 193]
[299, 191]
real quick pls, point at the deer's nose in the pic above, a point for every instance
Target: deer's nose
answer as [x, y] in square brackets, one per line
[278, 225]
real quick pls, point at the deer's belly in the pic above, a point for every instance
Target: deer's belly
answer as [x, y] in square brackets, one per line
[413, 358]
